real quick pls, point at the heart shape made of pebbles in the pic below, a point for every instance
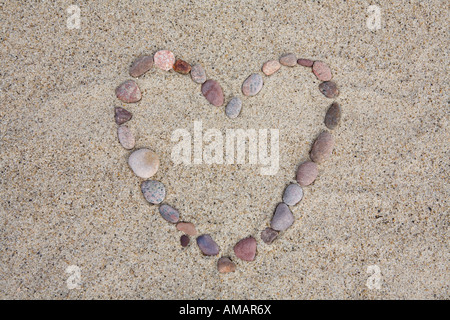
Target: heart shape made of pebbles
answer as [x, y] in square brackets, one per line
[145, 163]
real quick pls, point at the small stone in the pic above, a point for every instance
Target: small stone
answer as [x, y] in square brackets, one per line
[270, 67]
[153, 191]
[321, 70]
[306, 173]
[322, 147]
[144, 163]
[213, 92]
[207, 245]
[305, 62]
[182, 67]
[169, 213]
[140, 66]
[187, 227]
[289, 60]
[268, 235]
[126, 137]
[121, 115]
[292, 194]
[233, 108]
[198, 74]
[128, 92]
[245, 249]
[164, 59]
[225, 265]
[333, 116]
[252, 85]
[184, 240]
[282, 218]
[329, 89]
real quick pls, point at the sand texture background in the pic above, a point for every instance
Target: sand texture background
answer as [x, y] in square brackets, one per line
[68, 197]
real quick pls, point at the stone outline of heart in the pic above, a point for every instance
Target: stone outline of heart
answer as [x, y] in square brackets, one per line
[246, 248]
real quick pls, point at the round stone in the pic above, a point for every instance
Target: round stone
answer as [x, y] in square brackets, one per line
[187, 227]
[126, 137]
[121, 115]
[322, 147]
[153, 191]
[140, 66]
[184, 240]
[198, 74]
[213, 92]
[225, 265]
[169, 213]
[305, 62]
[128, 92]
[292, 194]
[233, 108]
[164, 59]
[333, 116]
[144, 163]
[289, 60]
[245, 249]
[282, 218]
[321, 70]
[207, 245]
[269, 235]
[306, 173]
[182, 67]
[329, 89]
[270, 67]
[252, 85]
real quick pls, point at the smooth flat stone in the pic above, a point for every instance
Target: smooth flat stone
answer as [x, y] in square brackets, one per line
[252, 85]
[182, 66]
[187, 227]
[213, 92]
[140, 66]
[225, 265]
[322, 147]
[144, 163]
[289, 60]
[321, 70]
[128, 92]
[169, 213]
[245, 249]
[198, 74]
[164, 59]
[126, 137]
[282, 218]
[207, 245]
[184, 240]
[329, 89]
[233, 108]
[292, 194]
[333, 116]
[306, 173]
[305, 62]
[121, 115]
[153, 191]
[268, 235]
[270, 67]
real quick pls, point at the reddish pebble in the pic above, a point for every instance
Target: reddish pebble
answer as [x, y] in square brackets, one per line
[187, 228]
[305, 62]
[128, 92]
[321, 70]
[306, 173]
[246, 249]
[182, 67]
[213, 92]
[322, 147]
[225, 265]
[268, 235]
[270, 67]
[184, 240]
[140, 66]
[164, 59]
[329, 89]
[289, 60]
[121, 115]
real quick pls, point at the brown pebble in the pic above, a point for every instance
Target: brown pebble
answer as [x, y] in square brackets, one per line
[269, 235]
[329, 89]
[121, 115]
[321, 70]
[289, 60]
[306, 173]
[270, 67]
[182, 66]
[305, 62]
[245, 249]
[140, 66]
[212, 91]
[128, 91]
[184, 240]
[187, 227]
[225, 265]
[322, 147]
[333, 116]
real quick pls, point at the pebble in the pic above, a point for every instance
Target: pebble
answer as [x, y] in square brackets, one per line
[213, 92]
[128, 92]
[169, 213]
[140, 66]
[184, 240]
[245, 249]
[270, 67]
[333, 116]
[182, 67]
[306, 173]
[225, 265]
[198, 74]
[322, 147]
[233, 108]
[252, 85]
[292, 194]
[329, 89]
[126, 137]
[164, 59]
[153, 191]
[187, 227]
[282, 218]
[207, 245]
[269, 235]
[121, 115]
[289, 60]
[321, 70]
[144, 163]
[305, 62]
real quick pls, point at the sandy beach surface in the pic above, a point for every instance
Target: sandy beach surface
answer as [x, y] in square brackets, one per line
[74, 223]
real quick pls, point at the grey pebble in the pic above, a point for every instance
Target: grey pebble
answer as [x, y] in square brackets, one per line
[333, 116]
[282, 218]
[207, 245]
[289, 60]
[292, 194]
[233, 108]
[198, 74]
[329, 89]
[169, 213]
[153, 191]
[269, 235]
